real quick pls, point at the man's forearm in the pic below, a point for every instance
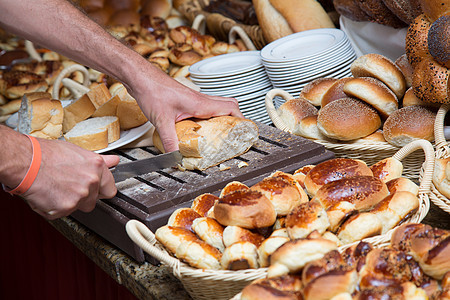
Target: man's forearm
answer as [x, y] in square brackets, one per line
[58, 25]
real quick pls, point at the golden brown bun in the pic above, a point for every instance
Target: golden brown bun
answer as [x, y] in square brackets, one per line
[295, 254]
[233, 234]
[430, 81]
[331, 284]
[280, 192]
[10, 107]
[268, 246]
[210, 231]
[183, 217]
[347, 119]
[435, 9]
[335, 91]
[124, 17]
[203, 203]
[293, 181]
[172, 237]
[128, 111]
[240, 256]
[245, 208]
[409, 99]
[305, 218]
[351, 10]
[199, 254]
[416, 43]
[376, 137]
[402, 184]
[382, 68]
[438, 40]
[332, 170]
[387, 169]
[429, 246]
[361, 191]
[293, 111]
[441, 176]
[184, 57]
[156, 8]
[308, 128]
[285, 287]
[231, 187]
[330, 261]
[314, 90]
[395, 208]
[380, 13]
[14, 84]
[359, 226]
[101, 16]
[405, 67]
[373, 92]
[405, 10]
[408, 124]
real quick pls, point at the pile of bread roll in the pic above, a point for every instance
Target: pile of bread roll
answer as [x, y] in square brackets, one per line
[414, 266]
[375, 105]
[310, 212]
[428, 51]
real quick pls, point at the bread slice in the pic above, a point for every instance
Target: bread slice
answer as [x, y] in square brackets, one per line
[77, 111]
[128, 111]
[40, 116]
[94, 133]
[206, 143]
[109, 108]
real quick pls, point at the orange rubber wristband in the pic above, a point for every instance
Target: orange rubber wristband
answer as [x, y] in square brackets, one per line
[33, 170]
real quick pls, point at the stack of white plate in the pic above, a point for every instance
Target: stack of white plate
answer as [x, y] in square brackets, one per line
[295, 60]
[239, 75]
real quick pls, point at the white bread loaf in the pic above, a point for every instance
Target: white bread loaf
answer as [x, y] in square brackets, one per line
[206, 143]
[94, 133]
[40, 117]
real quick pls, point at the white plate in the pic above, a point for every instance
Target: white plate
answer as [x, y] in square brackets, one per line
[126, 136]
[251, 86]
[239, 92]
[303, 44]
[227, 64]
[229, 82]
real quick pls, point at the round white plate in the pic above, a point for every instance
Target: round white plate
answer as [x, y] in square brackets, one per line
[249, 86]
[229, 82]
[303, 44]
[239, 92]
[127, 136]
[227, 64]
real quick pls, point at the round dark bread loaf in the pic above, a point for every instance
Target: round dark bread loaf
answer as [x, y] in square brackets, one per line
[439, 40]
[347, 119]
[430, 81]
[408, 124]
[380, 13]
[351, 10]
[405, 10]
[416, 42]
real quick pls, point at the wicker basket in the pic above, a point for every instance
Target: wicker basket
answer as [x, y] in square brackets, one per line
[442, 151]
[370, 152]
[223, 284]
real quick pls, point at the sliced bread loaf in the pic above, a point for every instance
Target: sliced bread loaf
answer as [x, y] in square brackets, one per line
[94, 133]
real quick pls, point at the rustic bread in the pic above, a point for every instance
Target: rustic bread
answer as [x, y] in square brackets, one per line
[387, 169]
[94, 133]
[183, 217]
[287, 287]
[268, 246]
[11, 107]
[234, 234]
[199, 254]
[331, 284]
[210, 231]
[128, 111]
[203, 203]
[305, 218]
[40, 117]
[441, 176]
[77, 111]
[359, 226]
[231, 187]
[240, 256]
[206, 143]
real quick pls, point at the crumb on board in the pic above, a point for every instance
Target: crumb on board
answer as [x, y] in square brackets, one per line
[223, 167]
[242, 164]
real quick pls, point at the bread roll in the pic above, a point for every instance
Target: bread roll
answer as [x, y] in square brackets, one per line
[314, 90]
[234, 234]
[308, 128]
[14, 84]
[405, 67]
[199, 254]
[376, 137]
[395, 208]
[330, 261]
[183, 217]
[435, 9]
[331, 284]
[293, 181]
[416, 43]
[294, 255]
[300, 174]
[387, 169]
[382, 68]
[245, 208]
[402, 184]
[11, 107]
[231, 187]
[240, 256]
[410, 99]
[332, 170]
[430, 81]
[405, 10]
[128, 111]
[305, 218]
[156, 8]
[429, 246]
[124, 17]
[287, 287]
[210, 231]
[280, 192]
[351, 10]
[172, 237]
[373, 92]
[40, 117]
[380, 13]
[77, 111]
[109, 108]
[206, 143]
[408, 124]
[293, 111]
[347, 119]
[358, 227]
[441, 176]
[267, 247]
[335, 91]
[203, 203]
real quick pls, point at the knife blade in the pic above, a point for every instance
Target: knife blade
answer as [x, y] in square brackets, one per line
[144, 166]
